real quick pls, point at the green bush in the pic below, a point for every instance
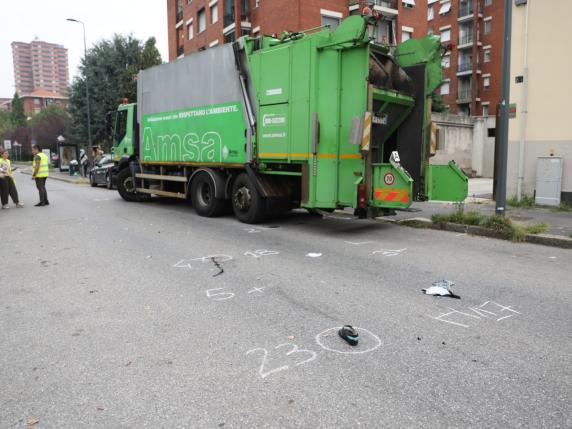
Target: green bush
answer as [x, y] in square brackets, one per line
[536, 228]
[525, 201]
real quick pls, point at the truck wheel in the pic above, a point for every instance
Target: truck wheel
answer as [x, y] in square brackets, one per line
[126, 185]
[247, 204]
[203, 197]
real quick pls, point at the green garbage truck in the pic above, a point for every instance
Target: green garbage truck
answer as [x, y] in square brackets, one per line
[320, 120]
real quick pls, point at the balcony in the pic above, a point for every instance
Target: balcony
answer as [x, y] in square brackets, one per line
[179, 15]
[464, 67]
[465, 41]
[385, 7]
[465, 12]
[464, 95]
[390, 4]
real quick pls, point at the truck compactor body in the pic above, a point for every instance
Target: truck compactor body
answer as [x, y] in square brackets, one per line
[321, 120]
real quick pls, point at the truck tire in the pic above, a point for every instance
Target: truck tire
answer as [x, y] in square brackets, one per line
[247, 204]
[126, 185]
[203, 197]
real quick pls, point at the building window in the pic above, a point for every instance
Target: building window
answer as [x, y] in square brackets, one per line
[445, 8]
[406, 35]
[446, 61]
[488, 26]
[488, 2]
[189, 1]
[408, 3]
[202, 20]
[486, 82]
[190, 30]
[430, 13]
[331, 20]
[446, 35]
[230, 37]
[257, 3]
[214, 13]
[445, 88]
[485, 110]
[37, 101]
[487, 55]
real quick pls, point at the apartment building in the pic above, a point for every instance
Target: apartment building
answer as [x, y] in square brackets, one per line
[540, 88]
[199, 24]
[40, 65]
[39, 99]
[471, 28]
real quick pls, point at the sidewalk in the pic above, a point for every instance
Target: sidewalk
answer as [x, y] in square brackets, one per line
[480, 193]
[55, 174]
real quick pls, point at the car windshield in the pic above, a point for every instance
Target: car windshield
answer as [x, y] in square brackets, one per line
[105, 160]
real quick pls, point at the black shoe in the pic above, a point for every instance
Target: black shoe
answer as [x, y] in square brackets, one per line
[47, 203]
[349, 334]
[39, 205]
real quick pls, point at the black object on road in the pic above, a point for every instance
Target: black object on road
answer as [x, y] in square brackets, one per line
[349, 334]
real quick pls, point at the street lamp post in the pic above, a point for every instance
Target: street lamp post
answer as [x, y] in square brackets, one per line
[86, 81]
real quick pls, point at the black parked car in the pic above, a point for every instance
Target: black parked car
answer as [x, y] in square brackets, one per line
[103, 173]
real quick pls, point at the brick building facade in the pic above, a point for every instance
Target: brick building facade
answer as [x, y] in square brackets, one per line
[472, 68]
[473, 28]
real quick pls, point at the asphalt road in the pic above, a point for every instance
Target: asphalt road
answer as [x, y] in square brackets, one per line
[144, 315]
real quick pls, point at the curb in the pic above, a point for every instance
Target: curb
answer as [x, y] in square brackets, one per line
[80, 181]
[421, 222]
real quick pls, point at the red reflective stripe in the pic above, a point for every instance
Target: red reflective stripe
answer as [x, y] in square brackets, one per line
[405, 199]
[391, 196]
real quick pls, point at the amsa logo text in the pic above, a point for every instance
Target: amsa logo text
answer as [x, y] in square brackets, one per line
[273, 119]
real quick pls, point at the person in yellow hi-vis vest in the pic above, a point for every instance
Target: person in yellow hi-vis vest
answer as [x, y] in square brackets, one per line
[7, 181]
[40, 172]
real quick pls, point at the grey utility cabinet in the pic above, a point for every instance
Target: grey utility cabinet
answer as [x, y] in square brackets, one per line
[548, 180]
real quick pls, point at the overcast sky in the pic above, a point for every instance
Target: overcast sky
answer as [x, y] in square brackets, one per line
[46, 19]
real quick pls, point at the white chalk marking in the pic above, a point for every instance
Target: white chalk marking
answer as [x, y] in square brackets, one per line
[261, 252]
[449, 321]
[358, 243]
[264, 358]
[295, 349]
[503, 308]
[348, 352]
[389, 252]
[504, 317]
[480, 312]
[227, 295]
[313, 255]
[187, 263]
[256, 289]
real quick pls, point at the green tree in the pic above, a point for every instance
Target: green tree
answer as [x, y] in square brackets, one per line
[111, 67]
[18, 115]
[438, 104]
[50, 123]
[6, 126]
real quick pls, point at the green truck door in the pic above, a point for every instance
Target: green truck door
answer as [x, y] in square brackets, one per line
[274, 111]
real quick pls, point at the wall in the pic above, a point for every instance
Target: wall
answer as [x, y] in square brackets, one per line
[465, 140]
[548, 129]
